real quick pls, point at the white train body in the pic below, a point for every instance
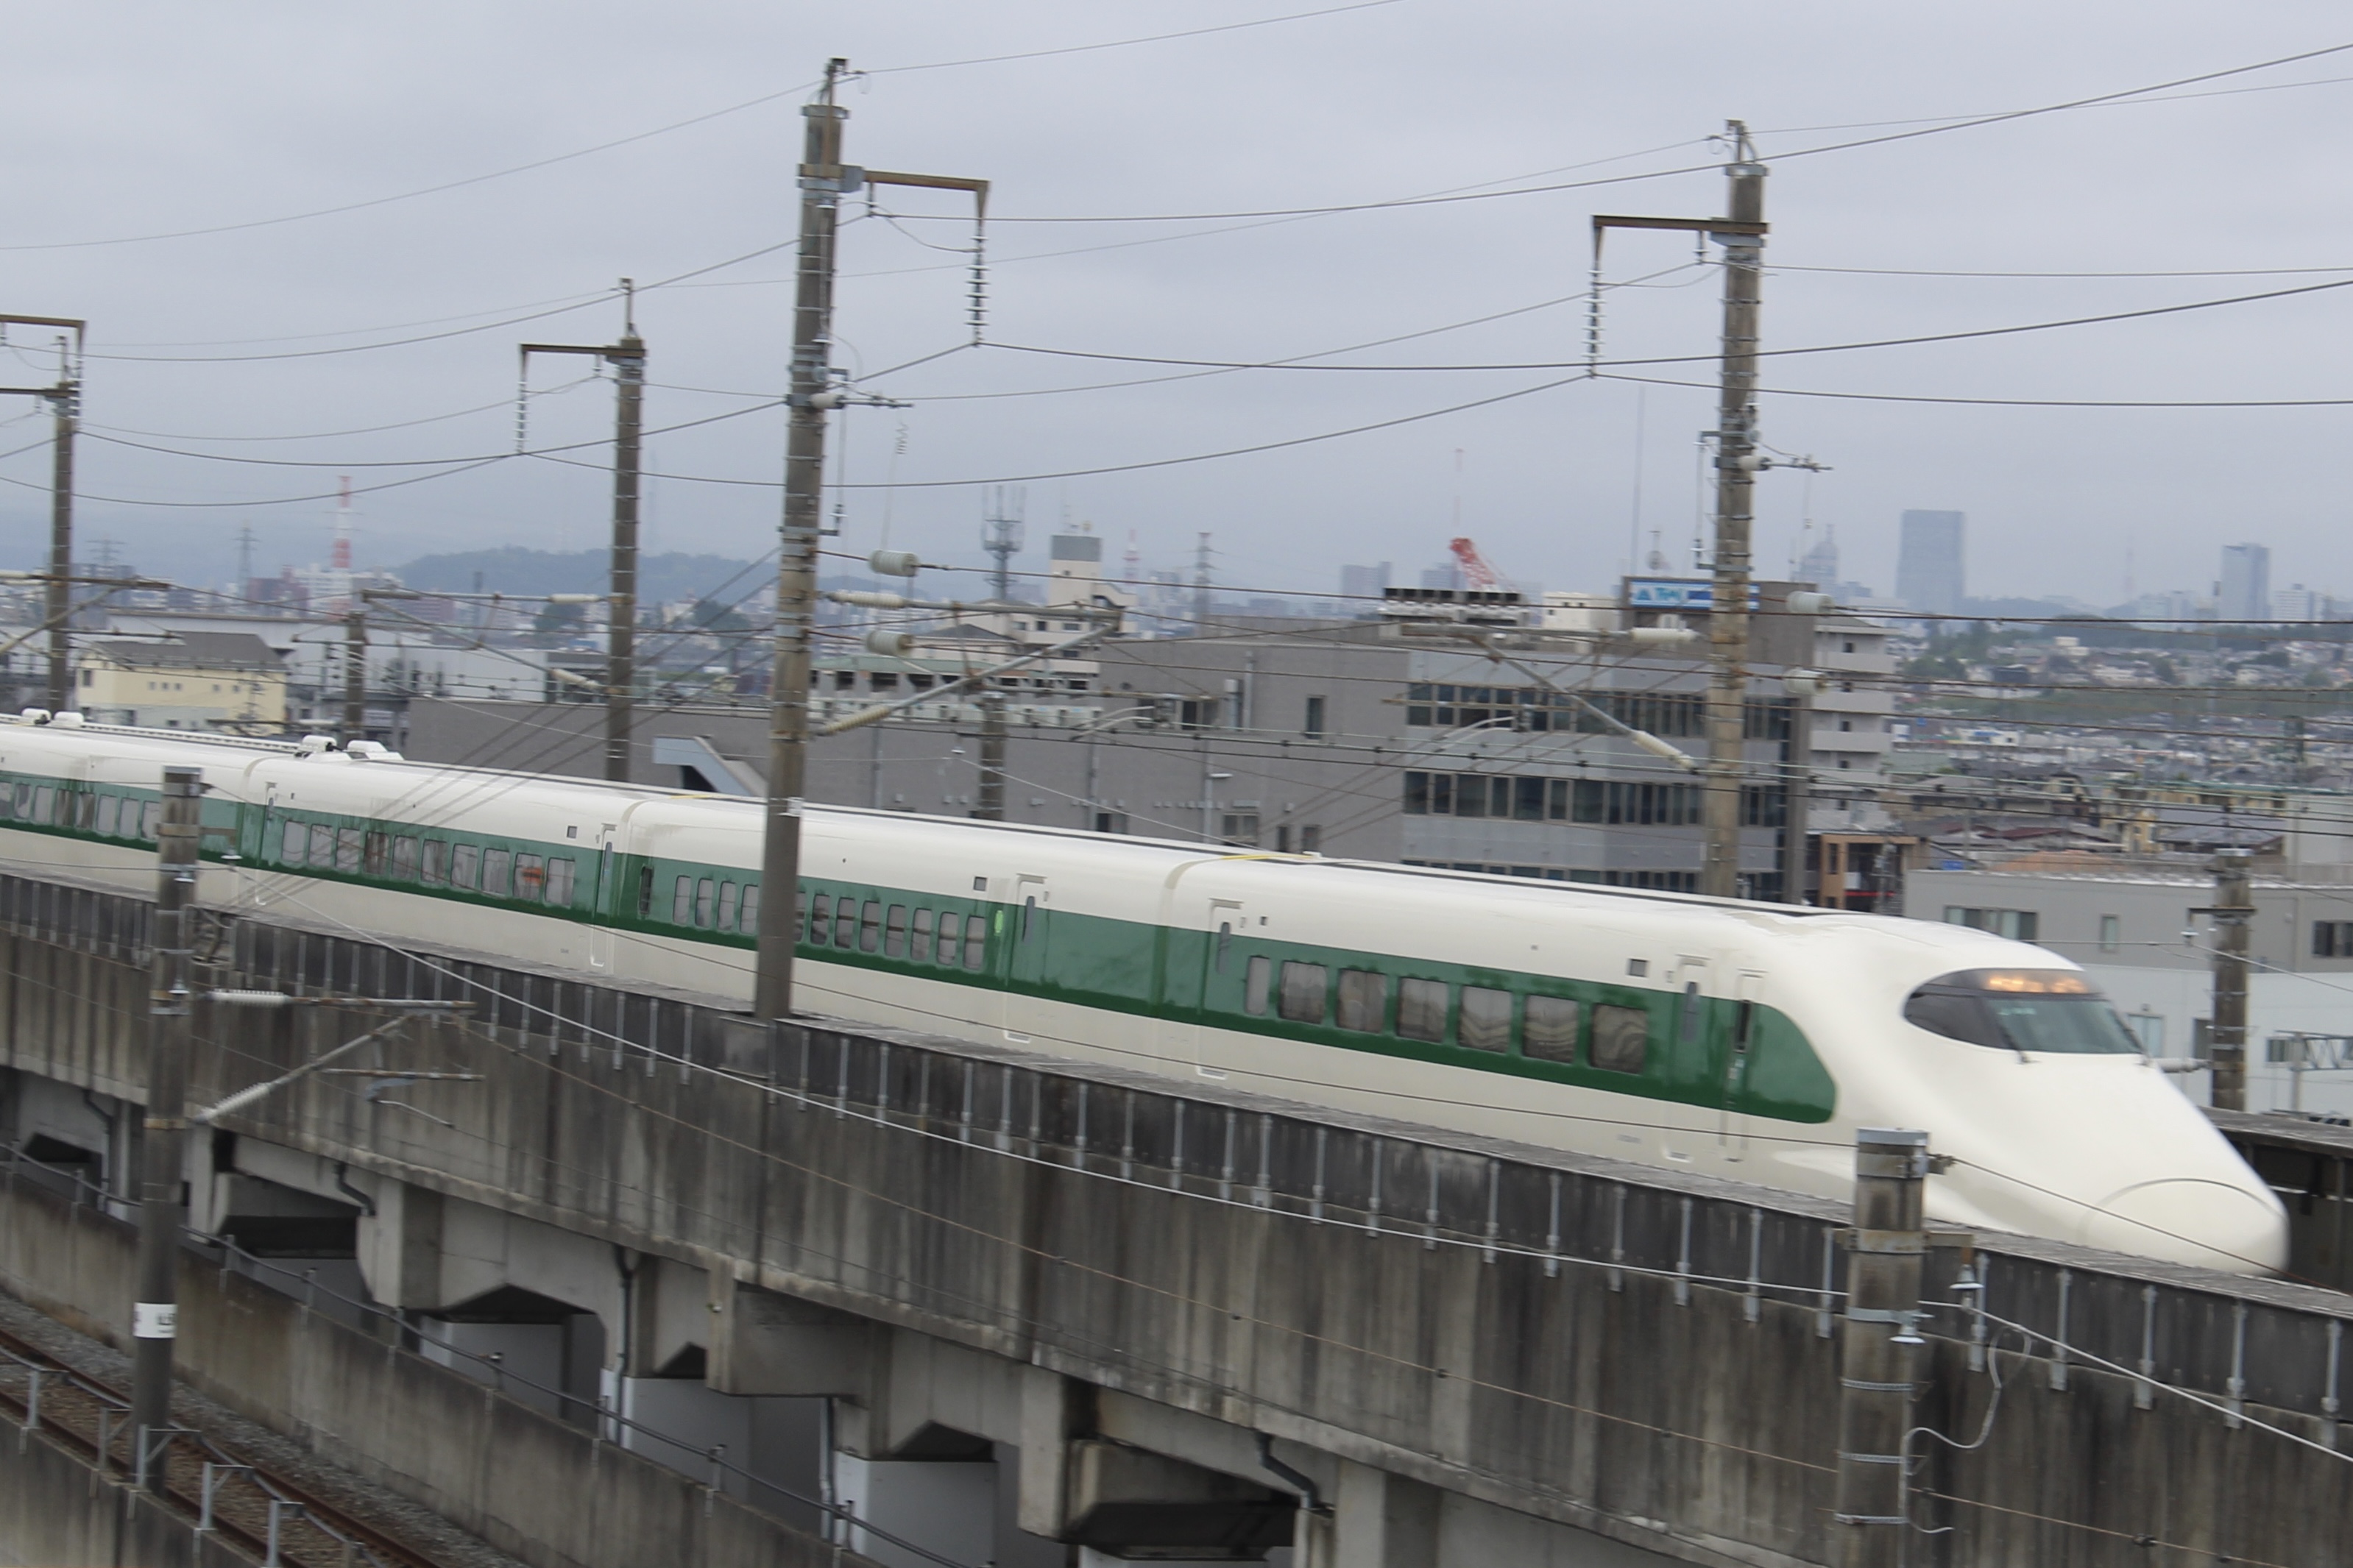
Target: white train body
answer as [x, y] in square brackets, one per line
[1746, 1040]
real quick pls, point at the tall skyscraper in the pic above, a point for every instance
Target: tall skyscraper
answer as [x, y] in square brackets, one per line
[2246, 590]
[1820, 564]
[1363, 582]
[1928, 565]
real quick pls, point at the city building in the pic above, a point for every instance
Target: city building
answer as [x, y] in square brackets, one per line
[1365, 582]
[188, 680]
[1929, 565]
[2244, 592]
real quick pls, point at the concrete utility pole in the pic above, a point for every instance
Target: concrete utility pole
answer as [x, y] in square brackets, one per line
[354, 673]
[64, 405]
[825, 179]
[155, 1313]
[1742, 234]
[628, 358]
[1882, 1312]
[2233, 913]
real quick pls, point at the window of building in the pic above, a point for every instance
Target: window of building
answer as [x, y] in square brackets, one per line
[1310, 838]
[497, 866]
[2332, 939]
[2018, 924]
[2111, 932]
[1302, 997]
[1238, 827]
[1486, 1022]
[1528, 800]
[1312, 727]
[1364, 999]
[1549, 1032]
[1621, 1037]
[1417, 794]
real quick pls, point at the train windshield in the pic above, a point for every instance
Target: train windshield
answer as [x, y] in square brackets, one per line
[2053, 1010]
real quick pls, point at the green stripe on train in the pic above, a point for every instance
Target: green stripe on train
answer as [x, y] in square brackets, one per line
[1135, 968]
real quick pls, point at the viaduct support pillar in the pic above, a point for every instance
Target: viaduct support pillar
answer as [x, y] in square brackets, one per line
[1882, 1314]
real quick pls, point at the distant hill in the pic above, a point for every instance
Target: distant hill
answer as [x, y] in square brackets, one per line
[662, 578]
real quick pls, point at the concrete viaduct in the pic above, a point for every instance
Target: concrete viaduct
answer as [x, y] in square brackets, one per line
[1023, 1311]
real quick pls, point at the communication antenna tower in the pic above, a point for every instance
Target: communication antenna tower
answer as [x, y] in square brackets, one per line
[245, 559]
[341, 560]
[1003, 511]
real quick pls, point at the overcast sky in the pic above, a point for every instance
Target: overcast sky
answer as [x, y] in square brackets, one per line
[135, 119]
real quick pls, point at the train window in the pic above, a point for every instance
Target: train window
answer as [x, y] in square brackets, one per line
[530, 877]
[45, 804]
[1621, 1037]
[845, 922]
[291, 843]
[560, 880]
[322, 844]
[682, 901]
[151, 817]
[951, 925]
[1303, 995]
[820, 916]
[1486, 1023]
[1225, 943]
[1687, 1022]
[894, 931]
[2054, 1010]
[869, 927]
[1256, 983]
[975, 941]
[706, 897]
[645, 892]
[109, 807]
[348, 845]
[376, 851]
[1364, 1000]
[1029, 913]
[1421, 1009]
[23, 800]
[436, 863]
[404, 859]
[922, 952]
[85, 810]
[752, 908]
[465, 865]
[496, 865]
[1549, 1032]
[727, 896]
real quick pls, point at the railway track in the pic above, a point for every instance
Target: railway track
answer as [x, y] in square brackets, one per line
[279, 1520]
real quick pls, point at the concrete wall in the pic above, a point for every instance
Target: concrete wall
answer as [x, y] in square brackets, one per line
[533, 1486]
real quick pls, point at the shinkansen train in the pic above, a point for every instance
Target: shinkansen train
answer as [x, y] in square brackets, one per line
[1741, 1039]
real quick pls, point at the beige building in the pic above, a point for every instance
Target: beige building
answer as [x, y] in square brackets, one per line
[190, 681]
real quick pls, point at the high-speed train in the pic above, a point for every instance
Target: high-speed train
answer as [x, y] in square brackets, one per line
[1746, 1040]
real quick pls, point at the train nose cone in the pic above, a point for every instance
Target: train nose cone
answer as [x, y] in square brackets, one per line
[2212, 1224]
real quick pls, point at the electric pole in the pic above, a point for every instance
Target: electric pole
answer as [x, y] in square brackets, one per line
[628, 358]
[354, 673]
[154, 1313]
[2233, 912]
[1742, 234]
[825, 179]
[1201, 599]
[65, 407]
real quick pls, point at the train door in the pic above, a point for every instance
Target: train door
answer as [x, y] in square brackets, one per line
[1029, 932]
[617, 896]
[1225, 982]
[1732, 1122]
[1692, 1040]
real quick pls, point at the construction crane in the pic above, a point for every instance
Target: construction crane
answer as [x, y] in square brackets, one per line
[1476, 573]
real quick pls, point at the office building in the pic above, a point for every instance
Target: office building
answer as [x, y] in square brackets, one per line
[1368, 583]
[1928, 567]
[2245, 592]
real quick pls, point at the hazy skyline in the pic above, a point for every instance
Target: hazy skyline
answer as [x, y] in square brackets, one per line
[136, 120]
